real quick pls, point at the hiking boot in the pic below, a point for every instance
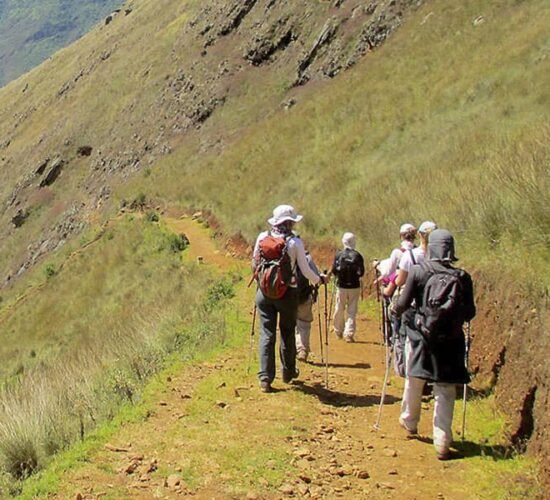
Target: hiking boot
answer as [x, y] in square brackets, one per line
[302, 356]
[410, 432]
[287, 378]
[349, 339]
[443, 454]
[338, 334]
[265, 386]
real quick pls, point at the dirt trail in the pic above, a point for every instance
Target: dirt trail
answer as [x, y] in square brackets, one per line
[213, 434]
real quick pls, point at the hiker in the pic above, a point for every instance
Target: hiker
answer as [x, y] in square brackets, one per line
[307, 296]
[408, 258]
[387, 268]
[435, 338]
[278, 253]
[349, 268]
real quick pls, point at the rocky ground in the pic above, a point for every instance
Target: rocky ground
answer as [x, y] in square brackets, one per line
[305, 440]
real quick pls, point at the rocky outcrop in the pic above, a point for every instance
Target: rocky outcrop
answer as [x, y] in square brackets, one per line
[53, 173]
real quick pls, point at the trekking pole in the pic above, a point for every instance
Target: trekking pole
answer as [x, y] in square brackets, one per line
[388, 356]
[320, 328]
[326, 335]
[332, 293]
[465, 392]
[252, 332]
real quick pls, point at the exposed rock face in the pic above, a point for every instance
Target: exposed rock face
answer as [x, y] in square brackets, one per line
[53, 173]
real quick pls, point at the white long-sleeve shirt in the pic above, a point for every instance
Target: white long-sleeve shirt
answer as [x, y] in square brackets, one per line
[297, 254]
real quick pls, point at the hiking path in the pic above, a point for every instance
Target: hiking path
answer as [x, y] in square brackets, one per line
[210, 433]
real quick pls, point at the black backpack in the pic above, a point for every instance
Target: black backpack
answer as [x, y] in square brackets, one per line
[348, 267]
[442, 304]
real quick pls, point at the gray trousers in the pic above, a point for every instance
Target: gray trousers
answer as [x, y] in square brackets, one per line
[282, 311]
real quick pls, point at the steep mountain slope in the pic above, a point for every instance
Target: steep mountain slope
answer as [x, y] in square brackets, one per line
[237, 106]
[32, 30]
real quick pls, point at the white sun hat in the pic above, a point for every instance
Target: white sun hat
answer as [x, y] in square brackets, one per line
[405, 228]
[427, 227]
[283, 213]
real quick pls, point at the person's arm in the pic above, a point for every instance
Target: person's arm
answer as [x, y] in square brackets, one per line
[407, 295]
[361, 266]
[302, 263]
[401, 277]
[469, 303]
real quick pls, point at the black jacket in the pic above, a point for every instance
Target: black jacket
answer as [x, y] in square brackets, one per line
[441, 360]
[348, 275]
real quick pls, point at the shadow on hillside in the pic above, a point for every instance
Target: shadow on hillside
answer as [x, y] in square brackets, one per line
[342, 365]
[338, 399]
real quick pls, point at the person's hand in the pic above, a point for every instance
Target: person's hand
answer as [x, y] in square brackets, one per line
[323, 279]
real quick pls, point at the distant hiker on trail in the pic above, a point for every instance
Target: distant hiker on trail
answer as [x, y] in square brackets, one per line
[408, 259]
[388, 267]
[307, 296]
[443, 297]
[349, 268]
[278, 253]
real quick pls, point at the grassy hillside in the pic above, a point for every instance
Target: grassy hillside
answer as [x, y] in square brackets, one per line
[32, 30]
[211, 106]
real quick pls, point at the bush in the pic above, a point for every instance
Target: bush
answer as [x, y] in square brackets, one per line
[218, 292]
[151, 216]
[178, 242]
[50, 271]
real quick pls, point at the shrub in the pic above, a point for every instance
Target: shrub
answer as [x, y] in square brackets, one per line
[50, 271]
[178, 242]
[151, 216]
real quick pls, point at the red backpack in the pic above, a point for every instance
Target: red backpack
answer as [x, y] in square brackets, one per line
[273, 267]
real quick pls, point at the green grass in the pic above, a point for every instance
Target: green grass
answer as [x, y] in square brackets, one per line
[494, 469]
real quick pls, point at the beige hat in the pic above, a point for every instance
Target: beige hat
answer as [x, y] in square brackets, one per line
[283, 213]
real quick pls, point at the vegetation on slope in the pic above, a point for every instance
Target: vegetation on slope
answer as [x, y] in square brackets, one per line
[96, 331]
[32, 30]
[447, 121]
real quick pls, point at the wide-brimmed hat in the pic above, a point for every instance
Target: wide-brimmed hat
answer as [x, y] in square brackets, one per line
[282, 213]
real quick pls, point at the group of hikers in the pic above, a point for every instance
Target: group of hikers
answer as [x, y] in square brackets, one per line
[425, 300]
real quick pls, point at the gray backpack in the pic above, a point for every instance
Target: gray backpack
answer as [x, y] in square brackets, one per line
[443, 303]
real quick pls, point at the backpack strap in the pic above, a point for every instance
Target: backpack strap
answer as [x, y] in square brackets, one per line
[412, 256]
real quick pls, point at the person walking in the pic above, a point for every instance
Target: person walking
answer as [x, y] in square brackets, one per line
[349, 268]
[408, 258]
[435, 338]
[307, 296]
[278, 253]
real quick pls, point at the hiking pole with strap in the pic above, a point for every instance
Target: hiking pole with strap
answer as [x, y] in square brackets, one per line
[252, 332]
[388, 356]
[332, 293]
[320, 328]
[326, 335]
[465, 392]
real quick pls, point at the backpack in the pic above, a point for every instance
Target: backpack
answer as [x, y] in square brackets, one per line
[442, 304]
[273, 268]
[348, 267]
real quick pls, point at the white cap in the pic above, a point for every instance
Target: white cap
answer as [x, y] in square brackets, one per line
[283, 213]
[348, 240]
[406, 228]
[427, 227]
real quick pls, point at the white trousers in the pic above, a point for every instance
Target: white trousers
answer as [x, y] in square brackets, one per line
[347, 300]
[303, 326]
[445, 395]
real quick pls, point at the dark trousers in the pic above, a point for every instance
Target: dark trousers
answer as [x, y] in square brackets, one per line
[270, 310]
